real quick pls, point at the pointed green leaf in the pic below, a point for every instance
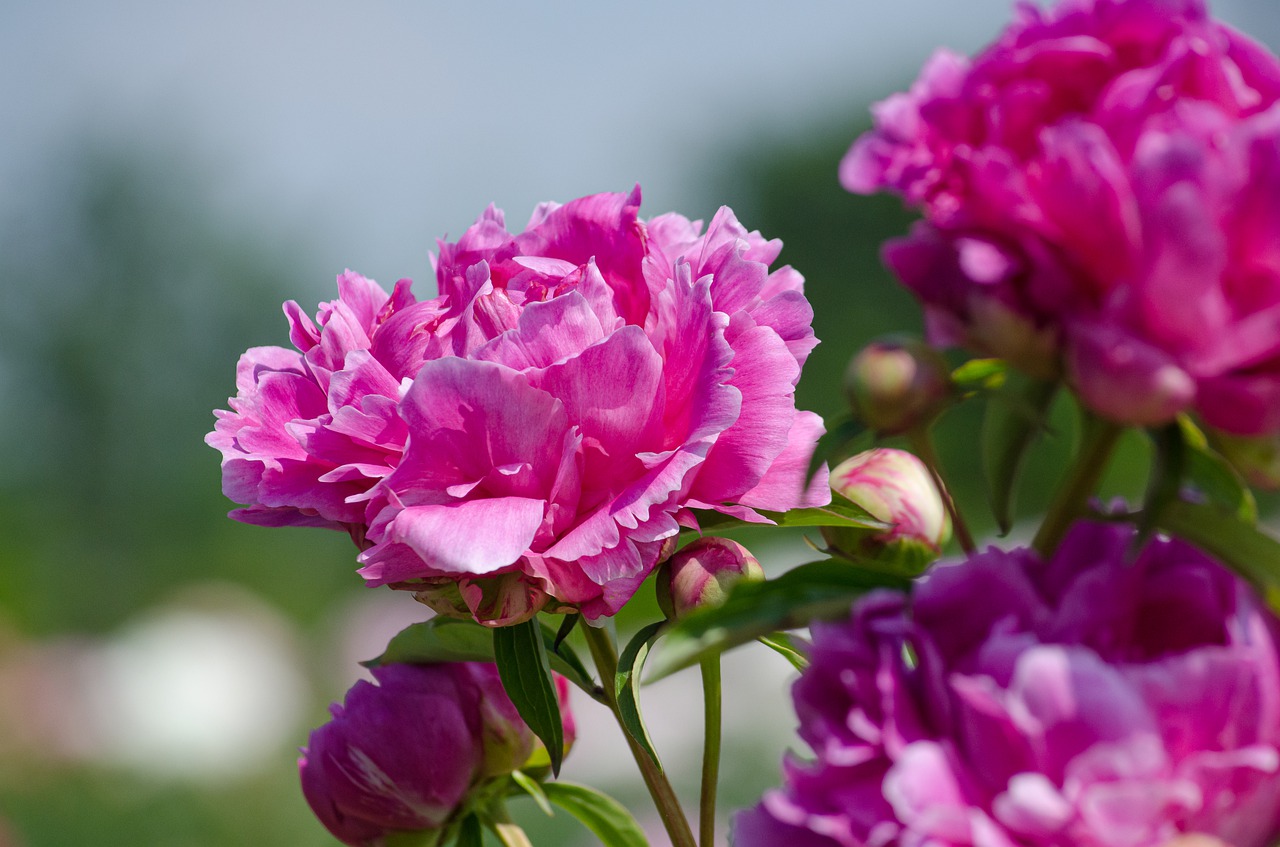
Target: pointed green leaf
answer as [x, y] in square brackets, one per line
[521, 656]
[600, 813]
[627, 686]
[977, 375]
[438, 640]
[1246, 549]
[1014, 418]
[840, 512]
[566, 662]
[1214, 477]
[567, 625]
[788, 647]
[817, 590]
[456, 640]
[533, 788]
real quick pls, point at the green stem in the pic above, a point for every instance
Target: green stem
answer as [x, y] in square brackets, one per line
[664, 796]
[1099, 439]
[710, 751]
[922, 442]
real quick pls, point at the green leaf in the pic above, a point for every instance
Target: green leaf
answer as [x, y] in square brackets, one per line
[978, 375]
[1248, 550]
[753, 609]
[1015, 417]
[438, 640]
[533, 788]
[840, 512]
[833, 445]
[566, 662]
[444, 639]
[470, 834]
[1209, 473]
[600, 813]
[787, 647]
[627, 686]
[567, 626]
[521, 655]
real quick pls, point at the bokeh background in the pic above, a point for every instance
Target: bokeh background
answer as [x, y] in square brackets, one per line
[169, 173]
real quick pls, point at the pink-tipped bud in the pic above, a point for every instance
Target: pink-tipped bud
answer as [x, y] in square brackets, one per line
[896, 488]
[702, 573]
[896, 384]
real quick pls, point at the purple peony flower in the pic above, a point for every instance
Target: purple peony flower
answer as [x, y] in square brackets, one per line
[1101, 189]
[539, 430]
[1108, 697]
[405, 754]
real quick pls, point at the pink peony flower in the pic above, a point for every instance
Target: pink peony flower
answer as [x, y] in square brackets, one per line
[1101, 189]
[538, 432]
[1100, 699]
[405, 755]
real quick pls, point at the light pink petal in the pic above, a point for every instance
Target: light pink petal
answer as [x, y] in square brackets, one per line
[475, 536]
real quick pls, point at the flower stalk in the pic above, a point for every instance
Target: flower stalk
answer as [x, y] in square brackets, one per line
[664, 797]
[712, 713]
[1100, 437]
[922, 443]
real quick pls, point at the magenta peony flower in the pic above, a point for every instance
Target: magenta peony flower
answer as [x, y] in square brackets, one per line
[539, 431]
[405, 754]
[1098, 700]
[1101, 187]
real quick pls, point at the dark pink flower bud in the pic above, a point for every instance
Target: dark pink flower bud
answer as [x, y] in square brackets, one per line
[896, 384]
[405, 754]
[702, 573]
[897, 488]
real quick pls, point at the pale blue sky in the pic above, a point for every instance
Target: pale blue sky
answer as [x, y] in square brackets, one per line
[371, 128]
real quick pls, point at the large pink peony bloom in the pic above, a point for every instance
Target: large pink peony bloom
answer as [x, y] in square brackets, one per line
[1101, 186]
[1097, 700]
[541, 428]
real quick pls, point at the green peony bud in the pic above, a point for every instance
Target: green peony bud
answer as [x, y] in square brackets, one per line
[896, 384]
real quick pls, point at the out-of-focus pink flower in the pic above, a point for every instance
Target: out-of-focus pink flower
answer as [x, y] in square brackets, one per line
[1097, 699]
[701, 574]
[537, 432]
[406, 753]
[1101, 190]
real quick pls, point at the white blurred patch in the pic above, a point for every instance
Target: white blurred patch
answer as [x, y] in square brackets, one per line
[205, 688]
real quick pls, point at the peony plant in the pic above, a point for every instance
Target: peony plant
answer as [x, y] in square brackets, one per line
[600, 400]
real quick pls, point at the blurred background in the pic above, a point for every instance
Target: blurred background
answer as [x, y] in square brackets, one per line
[170, 173]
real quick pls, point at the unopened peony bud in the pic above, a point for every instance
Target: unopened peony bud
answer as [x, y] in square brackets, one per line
[701, 575]
[896, 384]
[406, 754]
[897, 488]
